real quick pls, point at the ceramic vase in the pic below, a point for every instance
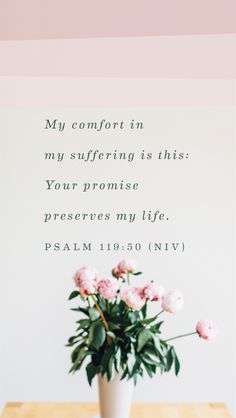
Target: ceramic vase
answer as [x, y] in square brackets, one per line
[115, 396]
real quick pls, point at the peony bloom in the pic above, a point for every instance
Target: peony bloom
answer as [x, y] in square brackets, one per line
[206, 329]
[87, 272]
[153, 292]
[172, 301]
[118, 274]
[107, 288]
[127, 266]
[133, 297]
[85, 279]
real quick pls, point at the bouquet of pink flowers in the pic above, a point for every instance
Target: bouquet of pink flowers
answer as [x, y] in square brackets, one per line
[115, 334]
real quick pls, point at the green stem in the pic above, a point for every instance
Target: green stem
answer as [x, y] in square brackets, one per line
[180, 336]
[100, 312]
[160, 313]
[128, 279]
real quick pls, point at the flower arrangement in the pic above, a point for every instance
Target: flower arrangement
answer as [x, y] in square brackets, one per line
[116, 334]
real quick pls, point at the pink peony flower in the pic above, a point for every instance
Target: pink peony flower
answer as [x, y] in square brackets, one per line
[85, 280]
[118, 274]
[206, 329]
[153, 292]
[107, 288]
[90, 274]
[172, 301]
[133, 297]
[127, 265]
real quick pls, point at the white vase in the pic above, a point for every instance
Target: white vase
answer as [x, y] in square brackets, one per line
[115, 396]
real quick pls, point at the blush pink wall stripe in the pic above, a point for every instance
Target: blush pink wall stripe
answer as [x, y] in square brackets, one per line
[35, 19]
[58, 93]
[200, 56]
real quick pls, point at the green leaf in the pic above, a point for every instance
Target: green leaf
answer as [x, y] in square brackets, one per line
[79, 356]
[144, 336]
[106, 357]
[176, 361]
[135, 379]
[164, 345]
[137, 274]
[144, 310]
[150, 350]
[117, 359]
[130, 327]
[157, 343]
[73, 295]
[169, 360]
[93, 313]
[113, 326]
[97, 335]
[106, 362]
[115, 309]
[110, 367]
[156, 328]
[75, 339]
[147, 359]
[131, 359]
[72, 339]
[84, 311]
[133, 316]
[149, 369]
[149, 320]
[177, 366]
[125, 373]
[101, 302]
[75, 352]
[84, 323]
[154, 352]
[82, 297]
[122, 306]
[91, 371]
[111, 334]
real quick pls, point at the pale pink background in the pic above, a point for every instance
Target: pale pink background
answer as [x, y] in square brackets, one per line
[32, 19]
[70, 92]
[34, 361]
[190, 56]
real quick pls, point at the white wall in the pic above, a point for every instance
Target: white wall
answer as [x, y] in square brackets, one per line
[195, 193]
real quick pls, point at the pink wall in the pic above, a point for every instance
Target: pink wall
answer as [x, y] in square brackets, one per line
[34, 19]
